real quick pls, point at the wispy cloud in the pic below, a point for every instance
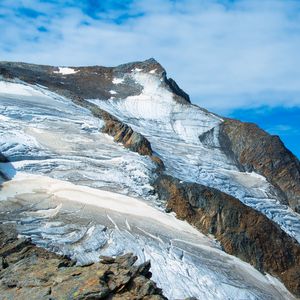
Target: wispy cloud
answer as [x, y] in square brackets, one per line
[225, 54]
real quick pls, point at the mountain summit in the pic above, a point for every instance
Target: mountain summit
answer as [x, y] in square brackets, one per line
[99, 161]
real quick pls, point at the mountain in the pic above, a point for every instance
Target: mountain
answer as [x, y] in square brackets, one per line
[111, 160]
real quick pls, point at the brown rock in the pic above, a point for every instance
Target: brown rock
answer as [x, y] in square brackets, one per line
[256, 150]
[34, 273]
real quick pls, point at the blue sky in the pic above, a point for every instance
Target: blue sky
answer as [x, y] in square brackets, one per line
[239, 58]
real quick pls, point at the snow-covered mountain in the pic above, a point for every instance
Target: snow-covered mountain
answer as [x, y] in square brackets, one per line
[106, 161]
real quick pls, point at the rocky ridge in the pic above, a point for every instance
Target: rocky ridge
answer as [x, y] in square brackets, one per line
[28, 271]
[124, 134]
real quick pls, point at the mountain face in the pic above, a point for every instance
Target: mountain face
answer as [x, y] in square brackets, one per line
[107, 161]
[255, 150]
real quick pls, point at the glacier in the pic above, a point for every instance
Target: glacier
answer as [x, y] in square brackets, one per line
[75, 191]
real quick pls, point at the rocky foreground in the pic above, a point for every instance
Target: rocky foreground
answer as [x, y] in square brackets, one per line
[31, 272]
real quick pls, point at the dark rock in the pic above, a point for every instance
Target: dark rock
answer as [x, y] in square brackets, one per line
[3, 159]
[256, 150]
[144, 269]
[168, 210]
[107, 259]
[3, 263]
[124, 134]
[182, 96]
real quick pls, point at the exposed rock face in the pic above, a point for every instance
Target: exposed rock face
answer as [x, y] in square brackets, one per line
[135, 141]
[256, 150]
[241, 230]
[123, 133]
[180, 95]
[30, 272]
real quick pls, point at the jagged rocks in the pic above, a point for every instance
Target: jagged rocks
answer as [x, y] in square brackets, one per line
[30, 272]
[256, 150]
[241, 230]
[132, 140]
[124, 134]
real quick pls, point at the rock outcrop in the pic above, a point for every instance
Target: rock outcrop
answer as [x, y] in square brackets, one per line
[124, 134]
[3, 159]
[121, 132]
[265, 154]
[30, 272]
[241, 230]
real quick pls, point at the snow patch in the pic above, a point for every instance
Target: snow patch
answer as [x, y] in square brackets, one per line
[118, 80]
[66, 71]
[90, 231]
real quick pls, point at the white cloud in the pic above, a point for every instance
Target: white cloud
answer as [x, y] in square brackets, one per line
[226, 56]
[284, 130]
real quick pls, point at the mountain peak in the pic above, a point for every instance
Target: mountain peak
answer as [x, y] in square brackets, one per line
[95, 82]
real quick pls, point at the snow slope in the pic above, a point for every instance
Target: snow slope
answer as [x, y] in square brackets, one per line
[44, 133]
